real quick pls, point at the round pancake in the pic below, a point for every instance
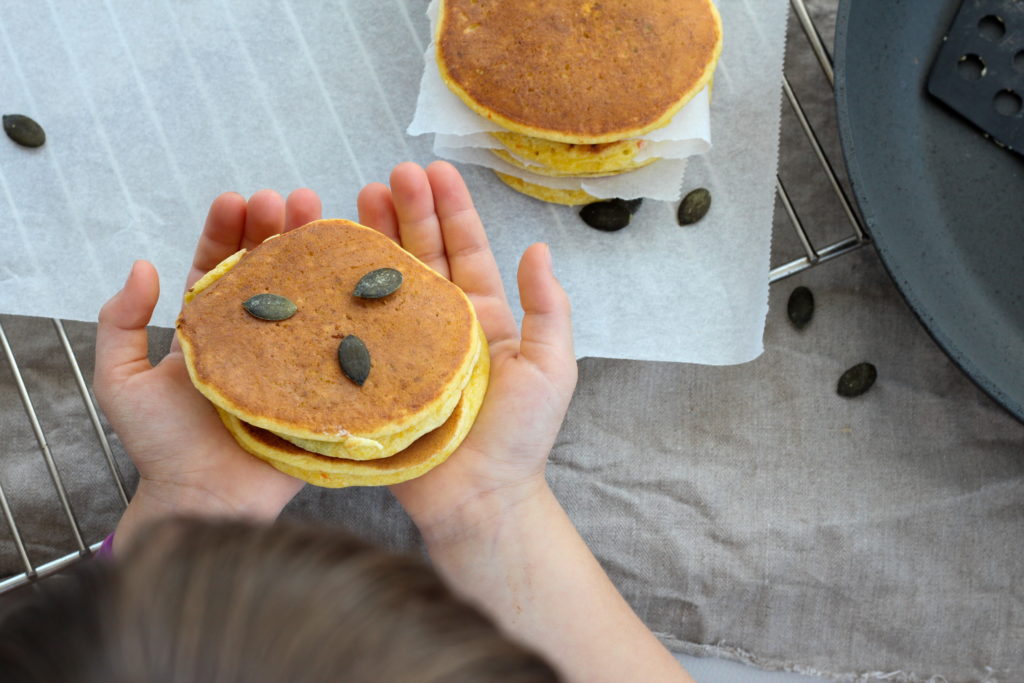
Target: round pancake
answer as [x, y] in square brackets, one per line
[577, 71]
[548, 157]
[547, 194]
[284, 376]
[427, 452]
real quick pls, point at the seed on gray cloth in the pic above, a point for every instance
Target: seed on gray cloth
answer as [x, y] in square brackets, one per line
[857, 380]
[269, 307]
[354, 358]
[24, 130]
[377, 284]
[609, 215]
[694, 206]
[800, 307]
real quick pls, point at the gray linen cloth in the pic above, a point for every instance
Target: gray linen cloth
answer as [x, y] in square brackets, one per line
[747, 512]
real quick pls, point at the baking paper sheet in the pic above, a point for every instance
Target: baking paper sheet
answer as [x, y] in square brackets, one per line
[152, 109]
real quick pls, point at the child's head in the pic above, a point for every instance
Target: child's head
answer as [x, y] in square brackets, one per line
[196, 601]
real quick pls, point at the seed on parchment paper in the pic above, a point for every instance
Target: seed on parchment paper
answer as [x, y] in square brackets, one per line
[857, 380]
[377, 284]
[800, 308]
[633, 204]
[609, 215]
[354, 358]
[694, 206]
[269, 307]
[24, 130]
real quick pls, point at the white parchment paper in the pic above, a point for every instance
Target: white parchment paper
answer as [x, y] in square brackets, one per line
[152, 109]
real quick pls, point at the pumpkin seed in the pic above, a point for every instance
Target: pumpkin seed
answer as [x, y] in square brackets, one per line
[800, 307]
[694, 206]
[377, 284]
[857, 380]
[354, 358]
[609, 215]
[24, 130]
[633, 204]
[269, 307]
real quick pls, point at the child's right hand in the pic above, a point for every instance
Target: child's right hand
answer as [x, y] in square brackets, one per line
[533, 373]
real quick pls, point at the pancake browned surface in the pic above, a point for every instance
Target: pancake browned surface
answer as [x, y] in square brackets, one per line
[578, 71]
[285, 376]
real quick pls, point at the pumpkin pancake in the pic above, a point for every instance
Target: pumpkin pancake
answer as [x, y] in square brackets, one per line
[577, 71]
[427, 452]
[284, 376]
[518, 162]
[546, 194]
[551, 158]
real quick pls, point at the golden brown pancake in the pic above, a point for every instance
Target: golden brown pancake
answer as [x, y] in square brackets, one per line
[577, 71]
[427, 452]
[547, 157]
[518, 162]
[547, 194]
[285, 376]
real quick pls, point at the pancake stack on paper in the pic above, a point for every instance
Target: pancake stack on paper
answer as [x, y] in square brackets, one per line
[336, 356]
[576, 84]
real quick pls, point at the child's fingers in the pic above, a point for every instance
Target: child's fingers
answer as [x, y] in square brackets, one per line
[377, 211]
[470, 260]
[264, 216]
[121, 344]
[418, 226]
[547, 317]
[303, 206]
[221, 236]
[469, 255]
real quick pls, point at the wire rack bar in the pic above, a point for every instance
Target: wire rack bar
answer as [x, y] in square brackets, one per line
[812, 255]
[826, 165]
[814, 38]
[90, 407]
[46, 569]
[13, 526]
[51, 466]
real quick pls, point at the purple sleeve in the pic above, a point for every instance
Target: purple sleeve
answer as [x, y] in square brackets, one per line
[106, 549]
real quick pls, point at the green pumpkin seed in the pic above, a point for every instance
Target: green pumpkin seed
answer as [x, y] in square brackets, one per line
[377, 284]
[609, 215]
[800, 307]
[857, 380]
[694, 206]
[269, 307]
[354, 358]
[24, 130]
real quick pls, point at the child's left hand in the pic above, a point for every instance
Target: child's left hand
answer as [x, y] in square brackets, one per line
[187, 461]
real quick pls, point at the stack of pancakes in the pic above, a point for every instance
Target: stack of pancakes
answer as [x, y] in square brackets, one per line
[576, 83]
[279, 386]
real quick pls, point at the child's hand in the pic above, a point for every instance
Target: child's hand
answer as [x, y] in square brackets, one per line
[501, 463]
[187, 460]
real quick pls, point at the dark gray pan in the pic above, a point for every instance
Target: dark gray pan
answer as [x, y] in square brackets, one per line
[944, 205]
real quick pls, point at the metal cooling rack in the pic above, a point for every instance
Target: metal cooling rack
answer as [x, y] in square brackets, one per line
[812, 257]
